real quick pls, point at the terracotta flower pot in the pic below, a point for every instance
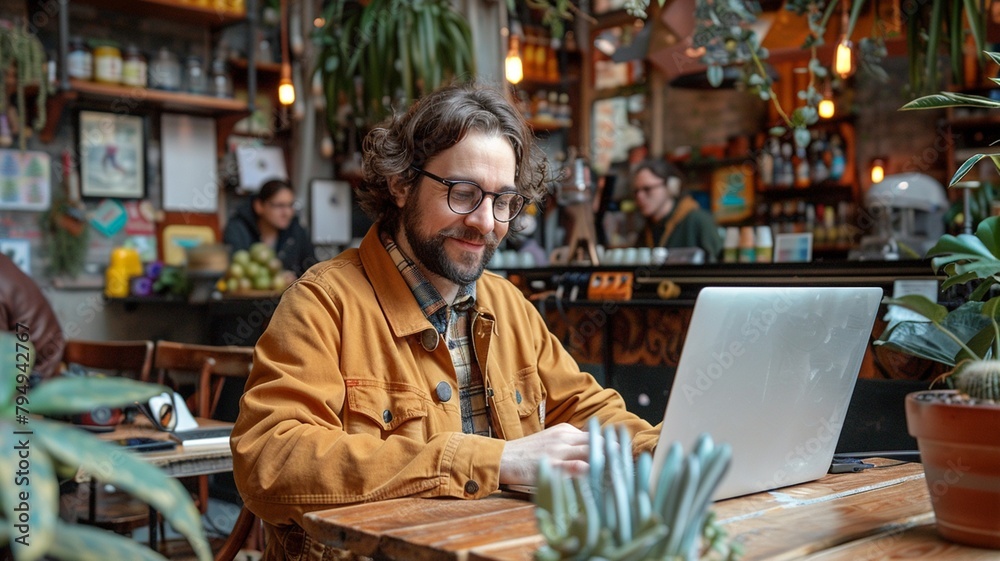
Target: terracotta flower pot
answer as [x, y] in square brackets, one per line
[960, 449]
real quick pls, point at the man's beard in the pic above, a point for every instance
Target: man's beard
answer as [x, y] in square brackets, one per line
[430, 252]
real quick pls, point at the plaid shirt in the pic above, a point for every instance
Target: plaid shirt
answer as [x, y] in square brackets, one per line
[453, 323]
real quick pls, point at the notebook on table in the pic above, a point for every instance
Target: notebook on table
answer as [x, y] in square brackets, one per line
[769, 370]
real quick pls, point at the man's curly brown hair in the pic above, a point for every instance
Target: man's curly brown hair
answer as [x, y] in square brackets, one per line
[434, 124]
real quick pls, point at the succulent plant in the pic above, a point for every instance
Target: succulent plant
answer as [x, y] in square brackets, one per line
[615, 512]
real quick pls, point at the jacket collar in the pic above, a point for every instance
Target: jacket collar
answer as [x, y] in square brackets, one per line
[394, 296]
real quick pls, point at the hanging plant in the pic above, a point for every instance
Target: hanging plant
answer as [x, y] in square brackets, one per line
[378, 56]
[65, 233]
[22, 55]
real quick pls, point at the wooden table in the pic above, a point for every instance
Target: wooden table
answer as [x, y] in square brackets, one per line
[177, 462]
[880, 513]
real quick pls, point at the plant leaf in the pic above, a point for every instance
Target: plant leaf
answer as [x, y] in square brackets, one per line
[927, 341]
[84, 543]
[921, 305]
[965, 167]
[949, 99]
[125, 470]
[67, 395]
[966, 245]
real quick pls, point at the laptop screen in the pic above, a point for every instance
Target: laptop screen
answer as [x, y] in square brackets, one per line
[770, 370]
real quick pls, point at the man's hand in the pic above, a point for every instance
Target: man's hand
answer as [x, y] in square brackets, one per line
[565, 445]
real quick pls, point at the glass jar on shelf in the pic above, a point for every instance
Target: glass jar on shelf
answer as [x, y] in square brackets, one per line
[222, 84]
[134, 68]
[165, 71]
[79, 60]
[108, 64]
[195, 78]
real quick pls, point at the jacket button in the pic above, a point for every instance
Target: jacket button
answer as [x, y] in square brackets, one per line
[517, 396]
[429, 339]
[471, 487]
[443, 390]
[387, 416]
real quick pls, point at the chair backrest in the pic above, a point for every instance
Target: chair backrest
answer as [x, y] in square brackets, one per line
[212, 364]
[133, 359]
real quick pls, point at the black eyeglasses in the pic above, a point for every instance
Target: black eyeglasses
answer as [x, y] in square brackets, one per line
[160, 410]
[464, 197]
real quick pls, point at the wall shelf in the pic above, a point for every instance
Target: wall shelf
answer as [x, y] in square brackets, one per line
[172, 10]
[226, 111]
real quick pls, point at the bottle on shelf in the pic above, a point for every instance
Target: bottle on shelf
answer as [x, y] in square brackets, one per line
[765, 166]
[838, 161]
[731, 245]
[747, 245]
[765, 245]
[108, 64]
[802, 175]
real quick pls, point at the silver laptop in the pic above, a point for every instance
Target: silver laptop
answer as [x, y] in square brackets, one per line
[770, 371]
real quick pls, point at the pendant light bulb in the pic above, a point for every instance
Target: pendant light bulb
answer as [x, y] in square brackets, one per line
[513, 68]
[843, 63]
[286, 92]
[878, 170]
[826, 108]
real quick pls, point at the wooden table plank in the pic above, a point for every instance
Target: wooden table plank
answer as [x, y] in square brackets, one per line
[826, 487]
[522, 549]
[807, 527]
[360, 528]
[450, 540]
[919, 542]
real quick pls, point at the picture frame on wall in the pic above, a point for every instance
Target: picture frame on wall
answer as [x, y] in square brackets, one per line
[112, 155]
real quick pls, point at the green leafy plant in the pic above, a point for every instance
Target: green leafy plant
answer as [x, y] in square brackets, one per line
[968, 337]
[943, 100]
[22, 55]
[615, 513]
[380, 55]
[39, 451]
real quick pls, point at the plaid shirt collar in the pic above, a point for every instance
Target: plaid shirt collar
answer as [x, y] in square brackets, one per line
[428, 298]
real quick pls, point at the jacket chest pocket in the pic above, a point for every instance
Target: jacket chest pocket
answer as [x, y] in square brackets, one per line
[380, 409]
[525, 397]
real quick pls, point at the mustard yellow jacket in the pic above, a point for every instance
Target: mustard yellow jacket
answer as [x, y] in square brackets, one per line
[351, 400]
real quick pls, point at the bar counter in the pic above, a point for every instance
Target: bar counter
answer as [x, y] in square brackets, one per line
[634, 345]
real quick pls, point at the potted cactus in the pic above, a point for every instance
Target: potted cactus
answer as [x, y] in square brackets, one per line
[961, 455]
[620, 510]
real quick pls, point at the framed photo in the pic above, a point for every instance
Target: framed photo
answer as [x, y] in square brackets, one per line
[732, 193]
[112, 155]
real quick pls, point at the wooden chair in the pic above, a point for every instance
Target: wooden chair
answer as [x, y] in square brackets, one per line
[247, 527]
[133, 359]
[92, 504]
[210, 366]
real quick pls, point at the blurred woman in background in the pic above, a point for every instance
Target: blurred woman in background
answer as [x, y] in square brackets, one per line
[270, 218]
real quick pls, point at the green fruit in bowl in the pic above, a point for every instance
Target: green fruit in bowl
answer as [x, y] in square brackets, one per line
[244, 284]
[275, 265]
[235, 271]
[241, 257]
[252, 269]
[233, 285]
[261, 253]
[262, 281]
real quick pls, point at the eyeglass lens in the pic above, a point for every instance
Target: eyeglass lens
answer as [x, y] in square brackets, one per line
[464, 198]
